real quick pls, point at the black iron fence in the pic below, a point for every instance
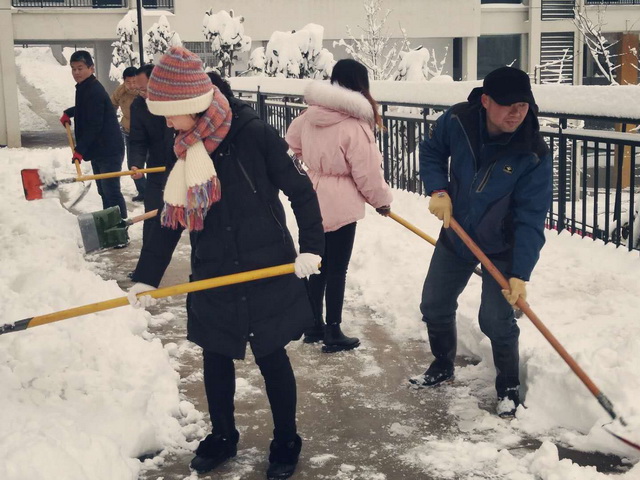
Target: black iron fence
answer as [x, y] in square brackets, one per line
[160, 4]
[612, 2]
[596, 172]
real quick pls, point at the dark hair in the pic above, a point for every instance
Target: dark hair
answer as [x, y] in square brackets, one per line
[353, 75]
[221, 83]
[129, 72]
[145, 70]
[82, 56]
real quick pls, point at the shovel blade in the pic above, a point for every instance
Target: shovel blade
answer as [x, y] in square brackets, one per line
[103, 229]
[31, 183]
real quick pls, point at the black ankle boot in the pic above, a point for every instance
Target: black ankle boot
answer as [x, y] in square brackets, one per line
[315, 333]
[215, 450]
[336, 341]
[443, 343]
[283, 458]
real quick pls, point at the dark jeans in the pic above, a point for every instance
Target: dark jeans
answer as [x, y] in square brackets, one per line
[109, 188]
[152, 200]
[447, 277]
[333, 274]
[141, 183]
[280, 382]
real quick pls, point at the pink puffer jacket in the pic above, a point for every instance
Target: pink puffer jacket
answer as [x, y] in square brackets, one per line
[334, 139]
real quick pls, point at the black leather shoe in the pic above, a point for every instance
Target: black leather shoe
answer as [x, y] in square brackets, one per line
[508, 402]
[336, 341]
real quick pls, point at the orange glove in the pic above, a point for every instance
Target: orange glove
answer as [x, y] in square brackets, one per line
[517, 289]
[440, 205]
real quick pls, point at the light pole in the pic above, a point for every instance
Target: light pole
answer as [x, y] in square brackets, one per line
[140, 45]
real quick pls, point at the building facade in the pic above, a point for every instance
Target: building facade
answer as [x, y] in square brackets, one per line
[539, 36]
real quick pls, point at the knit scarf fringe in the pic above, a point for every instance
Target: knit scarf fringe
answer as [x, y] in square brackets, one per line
[199, 200]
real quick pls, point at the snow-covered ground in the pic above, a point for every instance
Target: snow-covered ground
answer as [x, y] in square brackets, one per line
[82, 398]
[96, 392]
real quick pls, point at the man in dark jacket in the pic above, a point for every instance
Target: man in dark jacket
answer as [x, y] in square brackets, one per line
[150, 143]
[487, 162]
[98, 136]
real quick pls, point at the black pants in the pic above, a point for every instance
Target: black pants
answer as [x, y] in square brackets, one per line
[109, 188]
[220, 386]
[333, 274]
[141, 182]
[154, 192]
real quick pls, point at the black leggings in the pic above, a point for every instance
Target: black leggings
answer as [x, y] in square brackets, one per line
[333, 274]
[220, 386]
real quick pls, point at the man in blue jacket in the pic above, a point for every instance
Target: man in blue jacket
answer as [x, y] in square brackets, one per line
[98, 136]
[486, 162]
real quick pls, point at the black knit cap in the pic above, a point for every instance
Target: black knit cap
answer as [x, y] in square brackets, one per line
[508, 85]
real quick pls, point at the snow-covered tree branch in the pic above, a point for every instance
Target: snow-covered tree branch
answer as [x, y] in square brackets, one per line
[123, 54]
[226, 33]
[159, 38]
[598, 45]
[372, 47]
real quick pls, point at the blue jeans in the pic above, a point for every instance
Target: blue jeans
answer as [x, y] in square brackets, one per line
[447, 277]
[109, 188]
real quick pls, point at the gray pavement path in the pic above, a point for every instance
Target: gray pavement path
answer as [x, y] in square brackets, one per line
[356, 414]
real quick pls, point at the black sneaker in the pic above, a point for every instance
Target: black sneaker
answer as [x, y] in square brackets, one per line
[138, 198]
[508, 402]
[436, 375]
[213, 451]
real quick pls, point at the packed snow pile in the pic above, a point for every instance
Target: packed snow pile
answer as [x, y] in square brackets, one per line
[84, 397]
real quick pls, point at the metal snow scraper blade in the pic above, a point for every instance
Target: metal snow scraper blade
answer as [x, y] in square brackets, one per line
[546, 333]
[106, 228]
[33, 183]
[180, 289]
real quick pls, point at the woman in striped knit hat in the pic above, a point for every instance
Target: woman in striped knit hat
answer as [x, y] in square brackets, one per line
[225, 190]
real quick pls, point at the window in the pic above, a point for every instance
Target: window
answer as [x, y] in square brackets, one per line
[496, 51]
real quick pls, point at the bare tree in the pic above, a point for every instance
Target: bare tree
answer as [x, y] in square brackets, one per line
[598, 45]
[372, 47]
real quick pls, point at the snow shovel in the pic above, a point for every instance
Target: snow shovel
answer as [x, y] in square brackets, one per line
[206, 284]
[432, 241]
[106, 228]
[546, 333]
[33, 182]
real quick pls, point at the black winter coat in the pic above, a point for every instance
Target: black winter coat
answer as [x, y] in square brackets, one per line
[246, 230]
[150, 141]
[96, 124]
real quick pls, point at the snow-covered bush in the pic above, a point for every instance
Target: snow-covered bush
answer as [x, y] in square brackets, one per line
[226, 34]
[420, 65]
[159, 38]
[296, 54]
[123, 54]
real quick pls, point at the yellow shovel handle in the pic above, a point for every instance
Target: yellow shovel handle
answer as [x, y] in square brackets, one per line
[101, 176]
[413, 228]
[159, 293]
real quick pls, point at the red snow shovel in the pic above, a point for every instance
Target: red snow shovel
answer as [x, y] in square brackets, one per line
[546, 333]
[34, 183]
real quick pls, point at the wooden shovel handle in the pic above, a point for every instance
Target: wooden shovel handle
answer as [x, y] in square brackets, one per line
[144, 216]
[102, 176]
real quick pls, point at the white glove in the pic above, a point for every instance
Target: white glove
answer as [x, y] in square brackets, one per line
[307, 264]
[144, 301]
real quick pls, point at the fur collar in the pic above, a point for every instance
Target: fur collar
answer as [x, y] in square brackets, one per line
[336, 97]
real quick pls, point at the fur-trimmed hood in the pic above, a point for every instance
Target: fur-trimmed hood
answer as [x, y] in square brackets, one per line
[331, 103]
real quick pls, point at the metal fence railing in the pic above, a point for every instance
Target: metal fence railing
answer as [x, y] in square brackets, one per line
[159, 4]
[596, 185]
[612, 2]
